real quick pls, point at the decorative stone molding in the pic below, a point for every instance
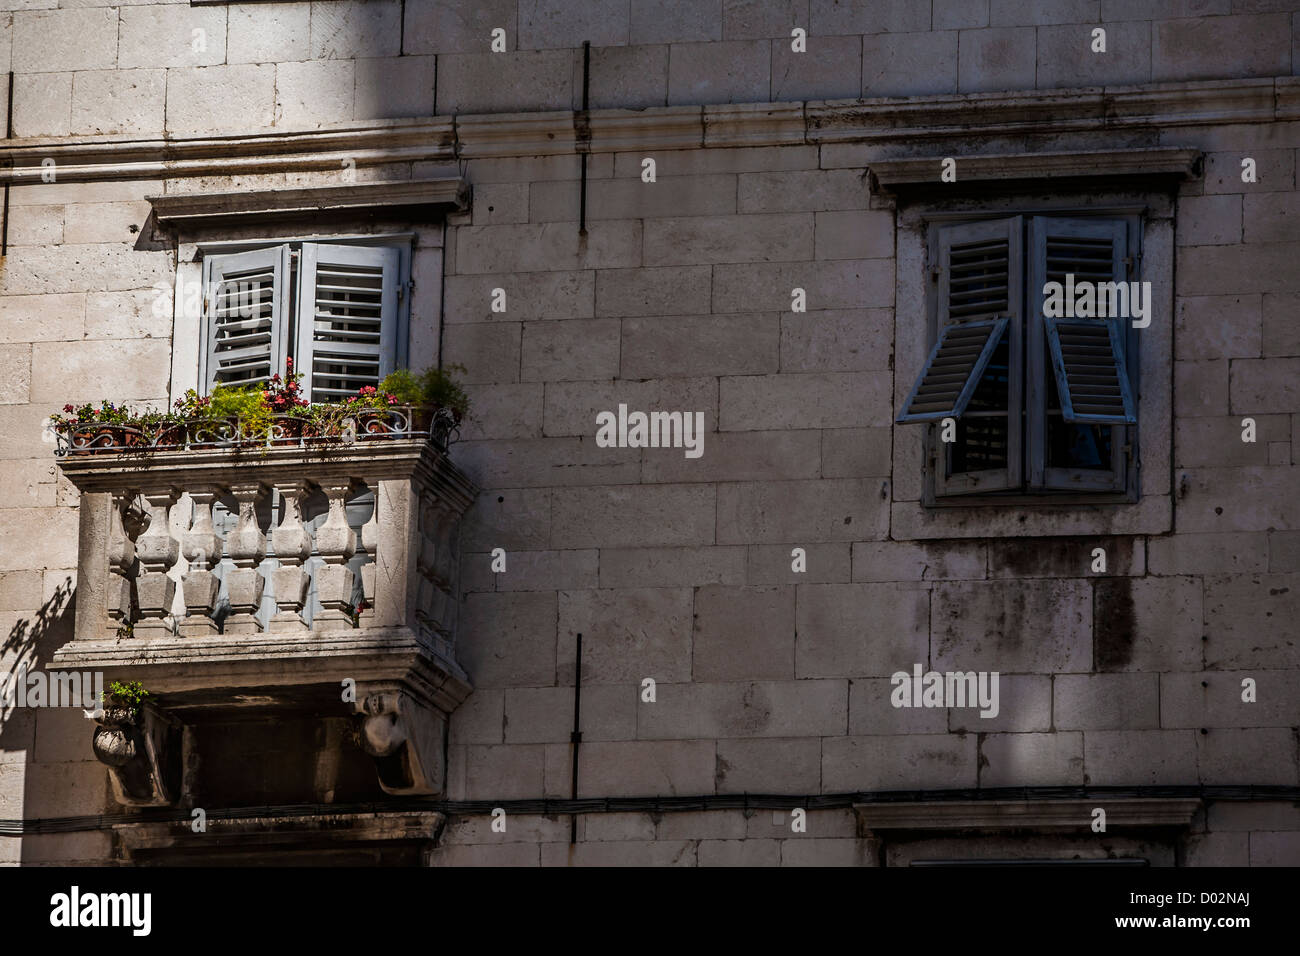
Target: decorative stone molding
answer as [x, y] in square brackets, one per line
[142, 753]
[987, 815]
[899, 120]
[411, 197]
[394, 837]
[896, 176]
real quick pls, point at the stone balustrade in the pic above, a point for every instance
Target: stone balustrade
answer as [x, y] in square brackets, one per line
[230, 578]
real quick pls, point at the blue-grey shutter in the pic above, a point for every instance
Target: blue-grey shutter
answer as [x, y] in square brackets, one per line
[347, 318]
[948, 380]
[1091, 376]
[244, 314]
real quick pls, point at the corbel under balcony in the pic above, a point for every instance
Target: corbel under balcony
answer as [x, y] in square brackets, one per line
[152, 562]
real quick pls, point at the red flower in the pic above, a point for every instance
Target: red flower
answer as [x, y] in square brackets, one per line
[68, 408]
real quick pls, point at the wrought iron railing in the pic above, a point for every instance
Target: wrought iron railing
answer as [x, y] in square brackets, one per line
[440, 426]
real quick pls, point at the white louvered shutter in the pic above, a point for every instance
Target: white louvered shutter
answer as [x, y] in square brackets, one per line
[347, 318]
[244, 314]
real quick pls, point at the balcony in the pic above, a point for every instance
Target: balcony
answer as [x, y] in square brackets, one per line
[292, 577]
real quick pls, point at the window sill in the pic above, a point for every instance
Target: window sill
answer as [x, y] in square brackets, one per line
[912, 520]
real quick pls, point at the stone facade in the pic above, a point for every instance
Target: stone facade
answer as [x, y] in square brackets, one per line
[771, 173]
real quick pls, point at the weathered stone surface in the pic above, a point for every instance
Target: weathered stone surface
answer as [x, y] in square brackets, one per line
[545, 714]
[639, 767]
[768, 766]
[1215, 699]
[667, 346]
[50, 41]
[904, 762]
[736, 456]
[510, 639]
[504, 772]
[909, 64]
[1106, 701]
[519, 519]
[671, 567]
[737, 71]
[489, 352]
[269, 34]
[871, 712]
[830, 69]
[1220, 46]
[628, 634]
[1137, 757]
[500, 82]
[918, 561]
[856, 452]
[702, 710]
[548, 570]
[996, 59]
[581, 349]
[780, 512]
[1041, 760]
[674, 291]
[534, 295]
[1209, 553]
[739, 853]
[211, 98]
[1265, 755]
[804, 400]
[743, 633]
[668, 196]
[749, 238]
[837, 341]
[1250, 621]
[118, 101]
[1150, 624]
[829, 17]
[775, 563]
[88, 371]
[1024, 706]
[859, 630]
[999, 626]
[766, 287]
[623, 77]
[1066, 57]
[548, 246]
[624, 517]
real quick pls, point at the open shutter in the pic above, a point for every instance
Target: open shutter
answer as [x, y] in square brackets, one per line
[1080, 390]
[973, 371]
[244, 314]
[347, 318]
[1091, 378]
[956, 363]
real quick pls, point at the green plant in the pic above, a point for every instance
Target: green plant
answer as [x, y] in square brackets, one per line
[435, 387]
[129, 694]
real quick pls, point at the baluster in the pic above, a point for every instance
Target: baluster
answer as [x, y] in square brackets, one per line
[292, 549]
[121, 564]
[201, 546]
[157, 552]
[370, 544]
[246, 546]
[335, 543]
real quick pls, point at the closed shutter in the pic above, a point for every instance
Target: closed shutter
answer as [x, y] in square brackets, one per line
[244, 314]
[347, 318]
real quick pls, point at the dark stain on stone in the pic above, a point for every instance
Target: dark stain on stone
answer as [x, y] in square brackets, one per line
[1274, 592]
[1114, 624]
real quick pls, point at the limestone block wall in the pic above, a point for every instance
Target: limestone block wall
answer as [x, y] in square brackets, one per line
[678, 298]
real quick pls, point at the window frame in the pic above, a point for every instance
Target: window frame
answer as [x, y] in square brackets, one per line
[403, 244]
[938, 490]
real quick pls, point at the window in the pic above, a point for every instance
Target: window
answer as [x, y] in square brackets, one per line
[334, 309]
[1031, 404]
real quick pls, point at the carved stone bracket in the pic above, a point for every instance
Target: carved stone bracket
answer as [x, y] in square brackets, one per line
[405, 736]
[142, 752]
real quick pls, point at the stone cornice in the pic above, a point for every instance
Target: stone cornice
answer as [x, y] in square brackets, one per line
[897, 175]
[1027, 814]
[403, 197]
[447, 139]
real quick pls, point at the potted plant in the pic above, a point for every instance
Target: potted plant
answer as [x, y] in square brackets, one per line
[371, 408]
[116, 737]
[428, 393]
[289, 410]
[87, 428]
